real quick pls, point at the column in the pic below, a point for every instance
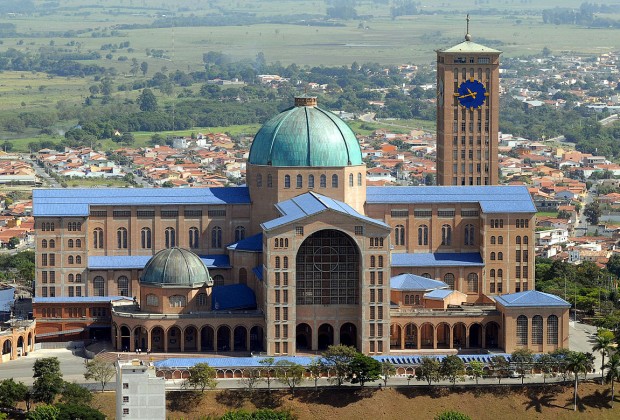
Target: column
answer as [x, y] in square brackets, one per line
[402, 337]
[483, 336]
[419, 337]
[132, 343]
[198, 339]
[544, 335]
[165, 338]
[434, 337]
[529, 332]
[466, 337]
[182, 338]
[451, 345]
[148, 340]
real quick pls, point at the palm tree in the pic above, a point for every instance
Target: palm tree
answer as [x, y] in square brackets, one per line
[603, 343]
[613, 373]
[577, 362]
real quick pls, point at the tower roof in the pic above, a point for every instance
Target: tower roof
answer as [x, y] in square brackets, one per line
[305, 135]
[469, 47]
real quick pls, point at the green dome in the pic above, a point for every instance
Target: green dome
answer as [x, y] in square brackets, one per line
[305, 135]
[176, 267]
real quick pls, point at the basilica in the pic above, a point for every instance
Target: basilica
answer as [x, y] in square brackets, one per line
[306, 255]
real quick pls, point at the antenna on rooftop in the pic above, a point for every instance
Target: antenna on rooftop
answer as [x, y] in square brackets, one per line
[467, 35]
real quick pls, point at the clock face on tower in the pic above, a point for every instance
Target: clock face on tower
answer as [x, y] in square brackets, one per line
[471, 94]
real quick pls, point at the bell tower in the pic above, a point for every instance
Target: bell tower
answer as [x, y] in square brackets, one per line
[467, 114]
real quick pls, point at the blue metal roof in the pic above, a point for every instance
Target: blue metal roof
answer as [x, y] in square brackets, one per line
[81, 299]
[253, 243]
[448, 259]
[76, 202]
[311, 203]
[258, 271]
[242, 362]
[531, 298]
[126, 262]
[232, 296]
[492, 199]
[439, 294]
[413, 283]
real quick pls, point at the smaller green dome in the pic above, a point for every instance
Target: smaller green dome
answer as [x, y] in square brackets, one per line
[176, 267]
[305, 135]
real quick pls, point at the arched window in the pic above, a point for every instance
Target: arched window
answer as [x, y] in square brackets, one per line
[446, 235]
[323, 181]
[449, 280]
[52, 243]
[492, 274]
[269, 181]
[259, 180]
[218, 280]
[380, 261]
[194, 238]
[300, 181]
[500, 274]
[71, 278]
[285, 263]
[500, 256]
[78, 259]
[427, 275]
[351, 180]
[146, 238]
[552, 329]
[123, 286]
[177, 301]
[170, 237]
[98, 286]
[399, 235]
[492, 256]
[526, 240]
[334, 181]
[121, 238]
[359, 179]
[202, 299]
[216, 237]
[518, 240]
[277, 262]
[70, 243]
[239, 233]
[44, 243]
[537, 329]
[78, 278]
[70, 259]
[492, 240]
[78, 243]
[472, 283]
[469, 235]
[500, 240]
[422, 235]
[406, 299]
[152, 300]
[310, 181]
[522, 331]
[287, 181]
[373, 261]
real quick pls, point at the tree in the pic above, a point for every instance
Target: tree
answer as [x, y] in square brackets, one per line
[44, 412]
[147, 101]
[78, 411]
[289, 373]
[202, 376]
[387, 370]
[522, 359]
[500, 366]
[452, 415]
[604, 343]
[251, 378]
[577, 362]
[592, 212]
[428, 369]
[13, 242]
[338, 359]
[100, 371]
[613, 373]
[364, 369]
[75, 394]
[452, 367]
[546, 364]
[144, 67]
[48, 380]
[268, 363]
[11, 392]
[316, 369]
[476, 369]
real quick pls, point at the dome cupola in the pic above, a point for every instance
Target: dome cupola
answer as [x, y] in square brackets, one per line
[176, 267]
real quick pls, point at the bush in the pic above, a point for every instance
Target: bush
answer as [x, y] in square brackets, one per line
[262, 414]
[452, 415]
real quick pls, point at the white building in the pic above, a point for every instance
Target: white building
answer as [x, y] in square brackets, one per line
[551, 237]
[139, 393]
